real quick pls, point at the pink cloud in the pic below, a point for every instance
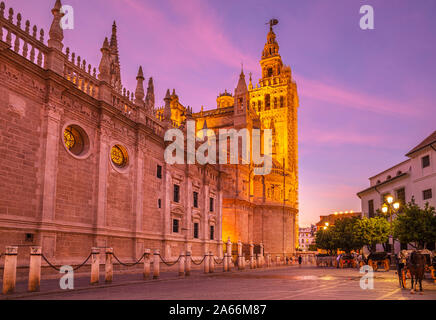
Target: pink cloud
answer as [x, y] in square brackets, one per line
[197, 33]
[352, 99]
[342, 136]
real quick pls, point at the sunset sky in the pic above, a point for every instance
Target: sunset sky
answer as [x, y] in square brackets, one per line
[366, 97]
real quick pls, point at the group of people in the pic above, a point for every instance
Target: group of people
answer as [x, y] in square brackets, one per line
[291, 260]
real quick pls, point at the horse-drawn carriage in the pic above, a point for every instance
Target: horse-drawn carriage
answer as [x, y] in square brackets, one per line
[347, 261]
[412, 264]
[324, 260]
[376, 259]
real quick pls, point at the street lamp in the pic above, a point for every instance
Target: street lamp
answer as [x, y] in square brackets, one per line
[390, 207]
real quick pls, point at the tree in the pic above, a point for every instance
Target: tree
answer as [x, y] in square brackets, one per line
[324, 240]
[312, 247]
[344, 234]
[416, 225]
[370, 231]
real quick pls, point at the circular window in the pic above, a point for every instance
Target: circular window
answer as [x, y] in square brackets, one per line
[76, 140]
[119, 156]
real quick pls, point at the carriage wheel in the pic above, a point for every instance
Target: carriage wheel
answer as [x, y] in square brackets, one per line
[387, 265]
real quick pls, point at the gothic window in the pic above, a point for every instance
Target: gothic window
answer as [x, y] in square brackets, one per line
[275, 103]
[159, 172]
[267, 102]
[212, 232]
[282, 102]
[195, 199]
[254, 105]
[270, 72]
[119, 156]
[176, 193]
[260, 106]
[196, 229]
[176, 226]
[74, 140]
[211, 203]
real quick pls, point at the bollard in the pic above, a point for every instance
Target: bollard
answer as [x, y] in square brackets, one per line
[225, 262]
[95, 265]
[211, 262]
[229, 262]
[258, 261]
[182, 264]
[146, 264]
[229, 247]
[156, 264]
[262, 255]
[35, 269]
[240, 258]
[109, 267]
[188, 263]
[10, 270]
[251, 255]
[206, 262]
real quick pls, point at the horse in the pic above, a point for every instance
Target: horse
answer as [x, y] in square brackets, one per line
[416, 265]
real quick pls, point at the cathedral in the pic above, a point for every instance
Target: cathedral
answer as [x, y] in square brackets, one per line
[84, 163]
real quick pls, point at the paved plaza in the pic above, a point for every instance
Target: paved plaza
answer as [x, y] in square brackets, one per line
[280, 283]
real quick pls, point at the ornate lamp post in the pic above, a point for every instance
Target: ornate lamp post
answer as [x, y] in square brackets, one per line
[390, 207]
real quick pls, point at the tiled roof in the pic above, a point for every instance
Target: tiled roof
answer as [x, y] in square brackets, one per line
[427, 141]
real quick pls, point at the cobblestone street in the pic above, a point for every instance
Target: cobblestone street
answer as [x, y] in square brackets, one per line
[283, 283]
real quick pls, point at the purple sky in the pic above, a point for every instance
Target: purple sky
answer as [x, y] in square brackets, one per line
[366, 97]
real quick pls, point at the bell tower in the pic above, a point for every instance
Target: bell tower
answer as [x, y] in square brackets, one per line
[271, 62]
[275, 100]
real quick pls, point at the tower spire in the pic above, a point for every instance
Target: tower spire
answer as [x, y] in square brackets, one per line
[56, 33]
[139, 93]
[150, 99]
[114, 40]
[105, 63]
[167, 108]
[271, 48]
[115, 59]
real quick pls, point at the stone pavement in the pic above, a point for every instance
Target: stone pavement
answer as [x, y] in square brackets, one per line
[279, 283]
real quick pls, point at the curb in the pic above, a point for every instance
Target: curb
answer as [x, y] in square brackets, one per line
[133, 282]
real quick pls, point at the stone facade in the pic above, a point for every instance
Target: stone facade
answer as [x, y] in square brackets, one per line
[83, 160]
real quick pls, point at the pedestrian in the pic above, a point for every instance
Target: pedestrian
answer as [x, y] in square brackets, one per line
[300, 260]
[337, 260]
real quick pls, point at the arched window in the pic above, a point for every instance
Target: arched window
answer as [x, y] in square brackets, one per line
[260, 105]
[275, 103]
[282, 102]
[267, 102]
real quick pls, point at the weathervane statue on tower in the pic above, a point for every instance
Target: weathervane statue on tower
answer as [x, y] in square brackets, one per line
[272, 23]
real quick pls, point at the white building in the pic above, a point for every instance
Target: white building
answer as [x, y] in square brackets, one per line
[306, 237]
[415, 177]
